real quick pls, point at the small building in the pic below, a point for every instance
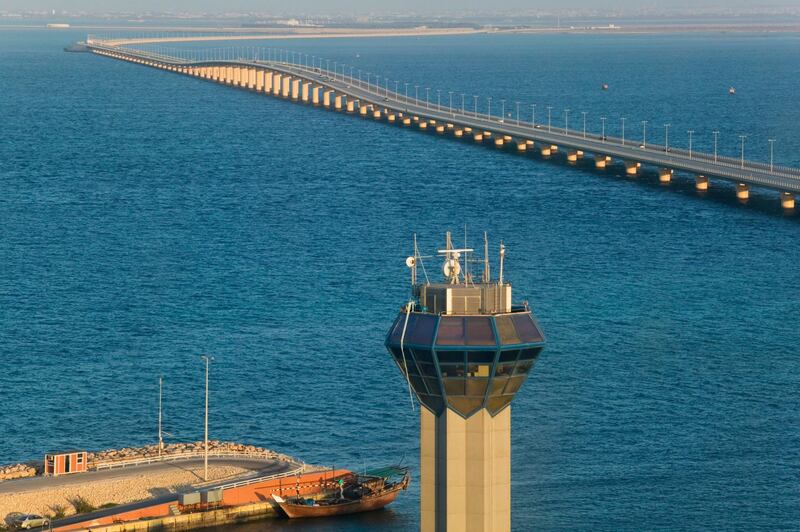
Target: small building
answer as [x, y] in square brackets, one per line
[64, 462]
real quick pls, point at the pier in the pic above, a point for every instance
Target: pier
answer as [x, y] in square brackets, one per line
[299, 82]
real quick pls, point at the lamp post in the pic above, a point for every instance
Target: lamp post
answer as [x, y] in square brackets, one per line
[416, 94]
[406, 84]
[644, 134]
[549, 118]
[451, 100]
[771, 152]
[666, 137]
[603, 134]
[475, 103]
[742, 137]
[584, 123]
[502, 110]
[566, 121]
[205, 457]
[518, 113]
[490, 107]
[427, 97]
[716, 134]
[438, 99]
[533, 116]
[622, 119]
[690, 132]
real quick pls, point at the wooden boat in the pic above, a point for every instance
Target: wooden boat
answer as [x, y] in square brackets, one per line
[351, 494]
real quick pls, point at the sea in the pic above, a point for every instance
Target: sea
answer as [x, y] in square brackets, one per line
[148, 218]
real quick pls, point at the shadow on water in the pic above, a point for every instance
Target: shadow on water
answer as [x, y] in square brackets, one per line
[376, 520]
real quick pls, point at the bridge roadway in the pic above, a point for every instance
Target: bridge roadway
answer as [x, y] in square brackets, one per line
[381, 101]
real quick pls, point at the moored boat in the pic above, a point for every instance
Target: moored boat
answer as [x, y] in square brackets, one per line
[353, 494]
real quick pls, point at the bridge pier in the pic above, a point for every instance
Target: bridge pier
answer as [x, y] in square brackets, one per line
[632, 168]
[487, 134]
[458, 133]
[406, 121]
[276, 83]
[665, 175]
[391, 117]
[701, 182]
[787, 200]
[326, 98]
[306, 90]
[260, 81]
[251, 78]
[477, 136]
[522, 145]
[286, 86]
[553, 148]
[499, 142]
[440, 129]
[337, 102]
[351, 106]
[422, 124]
[315, 94]
[296, 89]
[545, 150]
[268, 82]
[376, 114]
[572, 156]
[742, 191]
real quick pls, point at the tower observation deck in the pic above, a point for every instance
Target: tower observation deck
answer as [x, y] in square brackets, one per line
[465, 349]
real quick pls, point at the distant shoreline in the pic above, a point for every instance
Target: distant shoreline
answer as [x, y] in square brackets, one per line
[240, 33]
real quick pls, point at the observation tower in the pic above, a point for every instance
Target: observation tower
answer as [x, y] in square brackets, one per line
[465, 349]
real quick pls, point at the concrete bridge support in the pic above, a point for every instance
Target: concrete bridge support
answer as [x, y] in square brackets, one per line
[276, 83]
[338, 102]
[499, 142]
[487, 134]
[545, 150]
[286, 83]
[296, 89]
[572, 156]
[315, 94]
[477, 136]
[406, 121]
[376, 114]
[260, 80]
[306, 92]
[268, 82]
[422, 124]
[787, 200]
[553, 148]
[507, 138]
[665, 175]
[251, 78]
[522, 145]
[351, 106]
[701, 182]
[363, 110]
[440, 129]
[458, 133]
[326, 98]
[742, 191]
[391, 117]
[632, 168]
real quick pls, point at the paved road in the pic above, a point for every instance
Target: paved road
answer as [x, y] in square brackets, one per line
[752, 172]
[34, 483]
[258, 468]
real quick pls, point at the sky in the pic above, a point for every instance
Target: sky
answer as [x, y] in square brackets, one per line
[378, 6]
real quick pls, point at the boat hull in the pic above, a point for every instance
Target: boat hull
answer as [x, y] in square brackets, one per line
[366, 504]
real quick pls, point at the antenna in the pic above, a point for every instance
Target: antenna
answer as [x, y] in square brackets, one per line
[487, 277]
[502, 258]
[160, 433]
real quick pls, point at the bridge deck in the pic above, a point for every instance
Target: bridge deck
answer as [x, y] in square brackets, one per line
[749, 172]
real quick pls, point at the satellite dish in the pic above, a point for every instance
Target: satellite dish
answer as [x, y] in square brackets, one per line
[451, 268]
[411, 262]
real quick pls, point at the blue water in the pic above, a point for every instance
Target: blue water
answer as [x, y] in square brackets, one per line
[146, 218]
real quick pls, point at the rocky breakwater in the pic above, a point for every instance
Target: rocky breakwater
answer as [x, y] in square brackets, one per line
[10, 472]
[174, 450]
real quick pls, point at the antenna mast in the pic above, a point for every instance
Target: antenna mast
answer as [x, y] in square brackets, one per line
[487, 277]
[502, 257]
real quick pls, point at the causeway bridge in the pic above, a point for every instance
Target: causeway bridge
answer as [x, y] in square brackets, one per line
[319, 86]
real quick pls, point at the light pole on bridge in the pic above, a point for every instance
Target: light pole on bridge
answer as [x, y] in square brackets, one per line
[396, 90]
[463, 96]
[502, 110]
[666, 137]
[416, 94]
[771, 151]
[438, 99]
[622, 119]
[518, 113]
[566, 121]
[490, 107]
[603, 134]
[406, 84]
[644, 134]
[549, 118]
[716, 134]
[533, 116]
[427, 97]
[690, 132]
[742, 137]
[451, 100]
[584, 123]
[475, 106]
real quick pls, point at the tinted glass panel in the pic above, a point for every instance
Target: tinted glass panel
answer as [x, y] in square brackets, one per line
[496, 404]
[396, 354]
[423, 355]
[523, 367]
[514, 383]
[526, 329]
[504, 370]
[433, 386]
[448, 357]
[416, 383]
[509, 356]
[432, 402]
[453, 386]
[420, 329]
[485, 357]
[397, 329]
[479, 370]
[479, 331]
[505, 328]
[452, 370]
[477, 386]
[529, 354]
[465, 406]
[451, 331]
[427, 370]
[498, 385]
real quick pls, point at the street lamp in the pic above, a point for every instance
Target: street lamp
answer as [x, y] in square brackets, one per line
[603, 135]
[427, 97]
[533, 116]
[451, 100]
[566, 121]
[549, 121]
[690, 132]
[584, 123]
[475, 105]
[518, 113]
[205, 458]
[666, 138]
[623, 130]
[716, 134]
[490, 107]
[742, 137]
[416, 94]
[502, 110]
[438, 99]
[644, 134]
[771, 151]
